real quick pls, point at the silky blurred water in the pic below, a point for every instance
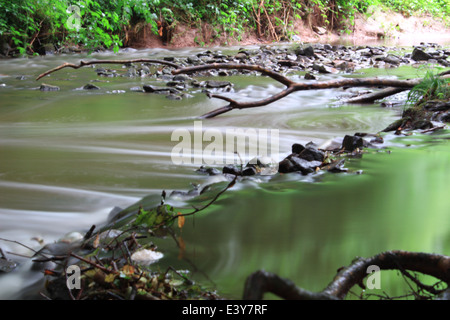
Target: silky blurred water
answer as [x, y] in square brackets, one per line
[67, 158]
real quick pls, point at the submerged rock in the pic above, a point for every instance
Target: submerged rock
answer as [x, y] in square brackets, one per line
[91, 86]
[208, 170]
[163, 90]
[218, 84]
[7, 265]
[48, 87]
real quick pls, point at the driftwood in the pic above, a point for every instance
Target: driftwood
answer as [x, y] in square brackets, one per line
[92, 62]
[393, 86]
[371, 97]
[435, 265]
[291, 86]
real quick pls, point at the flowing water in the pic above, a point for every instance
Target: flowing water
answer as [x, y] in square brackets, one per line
[68, 157]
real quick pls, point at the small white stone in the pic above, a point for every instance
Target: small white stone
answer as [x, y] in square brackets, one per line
[146, 257]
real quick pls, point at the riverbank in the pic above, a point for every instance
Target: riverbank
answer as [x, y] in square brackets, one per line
[179, 26]
[371, 28]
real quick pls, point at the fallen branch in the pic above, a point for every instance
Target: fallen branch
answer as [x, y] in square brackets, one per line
[291, 86]
[435, 265]
[394, 86]
[371, 97]
[93, 62]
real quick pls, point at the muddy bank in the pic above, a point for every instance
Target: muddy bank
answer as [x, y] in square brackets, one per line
[375, 26]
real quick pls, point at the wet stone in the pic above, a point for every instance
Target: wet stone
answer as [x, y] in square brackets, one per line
[351, 143]
[7, 265]
[231, 169]
[48, 87]
[208, 170]
[304, 166]
[324, 69]
[310, 76]
[310, 153]
[91, 86]
[137, 89]
[181, 78]
[420, 55]
[297, 148]
[163, 90]
[217, 84]
[173, 97]
[286, 166]
[249, 171]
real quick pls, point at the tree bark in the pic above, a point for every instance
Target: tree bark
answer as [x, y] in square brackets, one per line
[435, 265]
[93, 62]
[292, 86]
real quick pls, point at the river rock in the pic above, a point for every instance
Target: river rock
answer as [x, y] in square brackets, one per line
[336, 166]
[181, 78]
[172, 96]
[297, 148]
[310, 76]
[437, 105]
[304, 166]
[163, 90]
[420, 55]
[208, 170]
[218, 84]
[324, 68]
[7, 265]
[262, 166]
[231, 169]
[91, 86]
[351, 143]
[249, 171]
[307, 51]
[241, 56]
[310, 153]
[392, 59]
[146, 256]
[48, 87]
[286, 166]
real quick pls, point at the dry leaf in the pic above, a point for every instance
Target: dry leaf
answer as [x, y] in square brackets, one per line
[96, 241]
[128, 270]
[109, 278]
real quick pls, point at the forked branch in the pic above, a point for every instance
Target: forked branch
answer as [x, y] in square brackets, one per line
[291, 86]
[93, 62]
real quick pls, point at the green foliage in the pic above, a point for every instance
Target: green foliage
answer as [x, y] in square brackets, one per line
[162, 214]
[431, 87]
[24, 24]
[438, 8]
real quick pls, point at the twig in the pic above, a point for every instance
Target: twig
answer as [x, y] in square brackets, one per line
[93, 263]
[231, 184]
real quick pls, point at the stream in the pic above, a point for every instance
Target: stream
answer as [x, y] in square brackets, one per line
[68, 157]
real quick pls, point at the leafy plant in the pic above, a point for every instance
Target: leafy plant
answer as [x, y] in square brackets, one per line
[162, 214]
[432, 87]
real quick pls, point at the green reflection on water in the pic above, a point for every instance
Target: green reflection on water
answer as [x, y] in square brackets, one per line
[306, 231]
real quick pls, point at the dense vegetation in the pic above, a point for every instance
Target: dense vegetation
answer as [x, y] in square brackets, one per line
[26, 25]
